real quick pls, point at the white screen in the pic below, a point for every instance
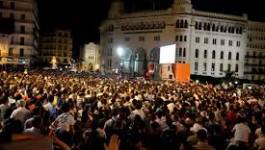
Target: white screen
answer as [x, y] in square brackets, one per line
[167, 54]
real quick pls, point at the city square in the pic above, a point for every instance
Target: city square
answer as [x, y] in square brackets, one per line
[146, 75]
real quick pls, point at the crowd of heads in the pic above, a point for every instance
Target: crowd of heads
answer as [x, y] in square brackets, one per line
[85, 111]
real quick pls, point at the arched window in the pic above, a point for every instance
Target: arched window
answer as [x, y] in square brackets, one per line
[186, 24]
[181, 24]
[177, 24]
[236, 70]
[200, 26]
[205, 26]
[222, 29]
[184, 52]
[180, 52]
[208, 27]
[213, 54]
[237, 56]
[229, 55]
[213, 27]
[196, 53]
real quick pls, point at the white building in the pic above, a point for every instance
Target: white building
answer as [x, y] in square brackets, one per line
[90, 56]
[24, 40]
[212, 43]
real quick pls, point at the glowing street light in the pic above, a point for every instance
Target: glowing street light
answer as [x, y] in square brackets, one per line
[120, 51]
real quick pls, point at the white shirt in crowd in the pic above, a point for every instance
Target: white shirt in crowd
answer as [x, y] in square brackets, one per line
[139, 112]
[242, 132]
[64, 121]
[21, 114]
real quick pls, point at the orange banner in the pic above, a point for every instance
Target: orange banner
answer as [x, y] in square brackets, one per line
[182, 72]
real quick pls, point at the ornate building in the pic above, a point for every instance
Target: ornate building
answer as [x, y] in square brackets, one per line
[212, 43]
[90, 57]
[23, 41]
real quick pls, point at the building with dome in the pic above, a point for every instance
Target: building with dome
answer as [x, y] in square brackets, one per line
[212, 43]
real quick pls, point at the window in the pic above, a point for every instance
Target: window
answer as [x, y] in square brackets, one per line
[12, 5]
[22, 40]
[196, 66]
[213, 54]
[180, 52]
[21, 52]
[205, 53]
[206, 40]
[10, 52]
[213, 67]
[141, 38]
[229, 56]
[236, 70]
[23, 17]
[214, 41]
[238, 43]
[229, 67]
[184, 52]
[221, 67]
[181, 38]
[185, 38]
[197, 39]
[22, 29]
[177, 38]
[196, 53]
[222, 42]
[204, 66]
[222, 55]
[230, 43]
[186, 24]
[157, 38]
[237, 56]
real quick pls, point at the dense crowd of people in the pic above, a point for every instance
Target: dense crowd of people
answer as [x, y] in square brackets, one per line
[92, 112]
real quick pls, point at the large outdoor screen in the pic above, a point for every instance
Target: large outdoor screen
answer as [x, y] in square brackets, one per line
[167, 54]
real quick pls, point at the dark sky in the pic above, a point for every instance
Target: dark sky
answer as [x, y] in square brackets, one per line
[83, 17]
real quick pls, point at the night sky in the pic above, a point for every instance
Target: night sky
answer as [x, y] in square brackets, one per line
[84, 17]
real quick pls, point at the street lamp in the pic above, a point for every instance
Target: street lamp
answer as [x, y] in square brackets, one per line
[120, 51]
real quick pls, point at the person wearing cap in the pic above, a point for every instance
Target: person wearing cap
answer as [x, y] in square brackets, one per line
[20, 113]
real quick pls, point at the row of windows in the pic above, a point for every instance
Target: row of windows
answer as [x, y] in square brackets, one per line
[11, 5]
[180, 38]
[12, 16]
[218, 28]
[257, 46]
[144, 26]
[213, 67]
[255, 54]
[214, 42]
[205, 54]
[261, 38]
[182, 24]
[181, 52]
[11, 52]
[256, 29]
